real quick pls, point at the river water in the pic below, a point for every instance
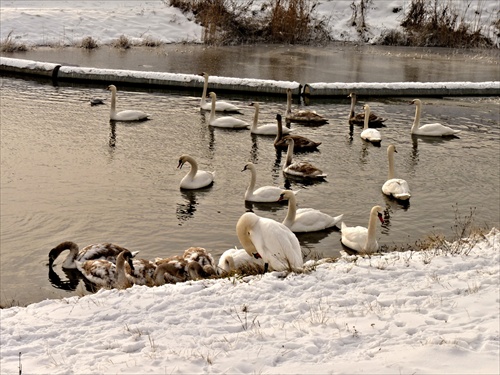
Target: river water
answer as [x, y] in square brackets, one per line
[67, 173]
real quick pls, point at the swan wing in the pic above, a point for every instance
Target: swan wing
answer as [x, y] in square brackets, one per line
[436, 130]
[201, 179]
[354, 237]
[398, 188]
[311, 220]
[99, 271]
[265, 194]
[130, 115]
[229, 122]
[276, 244]
[269, 129]
[372, 135]
[304, 169]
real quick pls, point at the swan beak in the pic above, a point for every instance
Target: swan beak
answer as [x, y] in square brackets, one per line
[181, 163]
[256, 256]
[380, 217]
[281, 197]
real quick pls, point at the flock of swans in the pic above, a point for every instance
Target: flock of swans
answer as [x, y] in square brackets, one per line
[267, 244]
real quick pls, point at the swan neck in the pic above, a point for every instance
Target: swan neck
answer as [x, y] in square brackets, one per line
[242, 231]
[353, 103]
[194, 166]
[367, 118]
[121, 277]
[289, 154]
[113, 102]
[205, 88]
[279, 133]
[212, 109]
[288, 102]
[390, 156]
[416, 122]
[255, 118]
[292, 211]
[253, 180]
[372, 227]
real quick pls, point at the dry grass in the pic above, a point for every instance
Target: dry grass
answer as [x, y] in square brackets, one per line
[438, 23]
[10, 45]
[88, 43]
[228, 22]
[122, 42]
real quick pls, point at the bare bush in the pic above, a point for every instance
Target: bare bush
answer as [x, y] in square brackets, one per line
[122, 42]
[10, 45]
[89, 43]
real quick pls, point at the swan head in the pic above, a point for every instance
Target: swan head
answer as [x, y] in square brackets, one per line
[352, 95]
[248, 166]
[111, 88]
[379, 211]
[391, 148]
[203, 74]
[254, 104]
[416, 102]
[128, 257]
[366, 107]
[286, 195]
[278, 117]
[182, 160]
[212, 94]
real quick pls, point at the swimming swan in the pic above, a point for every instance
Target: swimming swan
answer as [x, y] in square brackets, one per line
[220, 106]
[265, 238]
[300, 168]
[370, 134]
[359, 119]
[306, 219]
[127, 115]
[238, 261]
[264, 193]
[225, 121]
[107, 274]
[303, 116]
[360, 238]
[264, 129]
[432, 130]
[395, 187]
[301, 143]
[106, 251]
[195, 179]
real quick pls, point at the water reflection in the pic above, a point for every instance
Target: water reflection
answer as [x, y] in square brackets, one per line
[186, 210]
[112, 134]
[308, 241]
[72, 280]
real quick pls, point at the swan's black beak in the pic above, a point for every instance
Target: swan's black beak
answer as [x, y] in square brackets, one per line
[380, 217]
[181, 163]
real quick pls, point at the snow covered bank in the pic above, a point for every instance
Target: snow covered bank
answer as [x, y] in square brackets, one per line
[396, 313]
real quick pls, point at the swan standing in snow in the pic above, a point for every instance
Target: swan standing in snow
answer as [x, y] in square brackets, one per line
[432, 130]
[107, 274]
[304, 116]
[239, 261]
[195, 179]
[306, 219]
[363, 239]
[225, 121]
[265, 238]
[359, 119]
[264, 129]
[264, 193]
[107, 251]
[395, 187]
[300, 168]
[370, 134]
[127, 115]
[220, 106]
[301, 143]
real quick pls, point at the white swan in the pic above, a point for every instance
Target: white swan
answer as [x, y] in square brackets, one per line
[302, 116]
[432, 130]
[127, 115]
[264, 193]
[306, 219]
[300, 168]
[370, 134]
[301, 143]
[220, 106]
[239, 261]
[195, 179]
[225, 121]
[264, 129]
[360, 238]
[261, 237]
[107, 274]
[395, 187]
[359, 119]
[107, 251]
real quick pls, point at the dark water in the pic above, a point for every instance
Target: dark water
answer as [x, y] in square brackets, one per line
[68, 174]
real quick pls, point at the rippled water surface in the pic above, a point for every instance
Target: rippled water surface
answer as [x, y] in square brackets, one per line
[68, 174]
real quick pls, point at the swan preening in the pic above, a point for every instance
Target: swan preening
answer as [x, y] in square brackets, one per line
[107, 274]
[306, 219]
[262, 194]
[239, 261]
[300, 143]
[220, 106]
[431, 130]
[301, 116]
[225, 121]
[106, 251]
[264, 129]
[126, 115]
[395, 187]
[265, 238]
[370, 134]
[361, 239]
[359, 119]
[300, 168]
[194, 179]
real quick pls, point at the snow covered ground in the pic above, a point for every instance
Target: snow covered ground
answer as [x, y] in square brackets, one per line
[396, 313]
[67, 22]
